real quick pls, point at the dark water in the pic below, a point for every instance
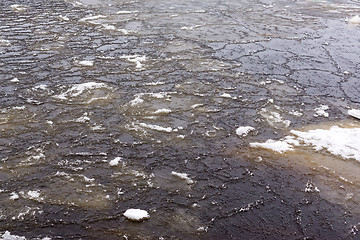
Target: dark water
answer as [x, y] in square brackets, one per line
[164, 85]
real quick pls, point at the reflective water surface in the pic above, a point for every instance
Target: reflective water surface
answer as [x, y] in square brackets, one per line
[107, 104]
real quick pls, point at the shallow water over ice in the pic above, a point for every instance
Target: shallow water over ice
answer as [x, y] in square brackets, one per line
[110, 105]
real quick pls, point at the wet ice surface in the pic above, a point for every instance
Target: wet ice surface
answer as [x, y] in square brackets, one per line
[109, 105]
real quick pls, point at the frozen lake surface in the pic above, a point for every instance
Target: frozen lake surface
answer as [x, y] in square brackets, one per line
[210, 119]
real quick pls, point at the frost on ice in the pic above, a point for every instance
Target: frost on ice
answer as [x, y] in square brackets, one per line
[243, 131]
[343, 142]
[183, 176]
[136, 215]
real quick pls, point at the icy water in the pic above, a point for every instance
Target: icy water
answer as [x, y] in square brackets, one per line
[108, 105]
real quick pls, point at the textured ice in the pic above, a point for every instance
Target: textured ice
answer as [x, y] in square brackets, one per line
[243, 131]
[136, 214]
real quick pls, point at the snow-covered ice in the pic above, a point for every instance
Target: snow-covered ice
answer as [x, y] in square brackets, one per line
[14, 80]
[78, 89]
[183, 176]
[321, 111]
[14, 196]
[135, 59]
[339, 141]
[354, 113]
[277, 146]
[136, 214]
[156, 127]
[162, 111]
[18, 7]
[243, 131]
[355, 20]
[115, 161]
[8, 236]
[86, 63]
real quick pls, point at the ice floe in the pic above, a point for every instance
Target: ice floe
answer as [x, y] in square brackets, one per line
[115, 161]
[19, 8]
[183, 176]
[339, 141]
[85, 63]
[162, 111]
[321, 111]
[355, 20]
[8, 236]
[138, 60]
[78, 89]
[244, 130]
[274, 118]
[156, 127]
[14, 196]
[136, 214]
[354, 113]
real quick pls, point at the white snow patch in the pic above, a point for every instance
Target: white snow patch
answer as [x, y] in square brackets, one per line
[64, 18]
[227, 95]
[355, 20]
[156, 127]
[277, 146]
[197, 105]
[126, 12]
[296, 113]
[162, 111]
[115, 161]
[136, 214]
[310, 187]
[339, 141]
[190, 28]
[14, 80]
[18, 7]
[4, 42]
[78, 89]
[113, 28]
[354, 113]
[34, 194]
[138, 100]
[135, 59]
[183, 176]
[343, 142]
[8, 236]
[86, 63]
[91, 18]
[320, 111]
[154, 83]
[274, 118]
[243, 131]
[83, 119]
[14, 196]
